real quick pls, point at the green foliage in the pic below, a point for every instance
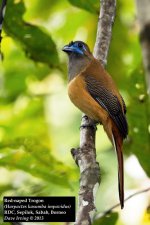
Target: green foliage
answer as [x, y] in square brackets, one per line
[32, 38]
[139, 118]
[22, 160]
[38, 8]
[18, 75]
[29, 155]
[90, 5]
[109, 220]
[38, 124]
[4, 188]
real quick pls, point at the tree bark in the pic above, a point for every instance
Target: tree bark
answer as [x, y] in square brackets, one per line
[104, 30]
[85, 156]
[143, 13]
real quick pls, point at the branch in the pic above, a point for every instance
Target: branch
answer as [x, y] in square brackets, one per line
[104, 30]
[85, 156]
[108, 211]
[143, 13]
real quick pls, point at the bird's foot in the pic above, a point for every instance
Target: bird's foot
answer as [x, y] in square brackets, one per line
[88, 123]
[92, 126]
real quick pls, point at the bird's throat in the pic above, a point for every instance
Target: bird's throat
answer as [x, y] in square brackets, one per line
[76, 65]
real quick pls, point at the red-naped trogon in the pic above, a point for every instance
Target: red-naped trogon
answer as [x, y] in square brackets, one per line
[94, 92]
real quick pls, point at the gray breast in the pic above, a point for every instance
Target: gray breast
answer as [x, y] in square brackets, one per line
[77, 63]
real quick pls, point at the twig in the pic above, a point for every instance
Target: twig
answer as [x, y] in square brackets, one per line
[85, 156]
[108, 211]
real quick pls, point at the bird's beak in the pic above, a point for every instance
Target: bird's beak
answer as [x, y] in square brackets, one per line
[71, 48]
[67, 48]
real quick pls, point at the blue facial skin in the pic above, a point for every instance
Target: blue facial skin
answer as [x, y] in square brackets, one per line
[75, 47]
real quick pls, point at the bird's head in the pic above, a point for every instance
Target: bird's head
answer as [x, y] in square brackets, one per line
[79, 57]
[77, 48]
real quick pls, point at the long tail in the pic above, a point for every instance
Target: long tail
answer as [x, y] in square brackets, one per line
[117, 141]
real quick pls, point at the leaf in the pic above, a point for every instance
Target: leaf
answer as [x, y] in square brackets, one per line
[18, 72]
[40, 154]
[4, 188]
[29, 155]
[38, 45]
[19, 159]
[35, 148]
[124, 46]
[139, 118]
[109, 220]
[89, 5]
[42, 9]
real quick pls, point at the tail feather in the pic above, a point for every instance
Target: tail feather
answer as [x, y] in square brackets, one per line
[117, 141]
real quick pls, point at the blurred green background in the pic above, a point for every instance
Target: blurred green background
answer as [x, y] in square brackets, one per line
[38, 123]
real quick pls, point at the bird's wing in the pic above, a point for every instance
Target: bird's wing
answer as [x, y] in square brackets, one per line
[109, 102]
[124, 105]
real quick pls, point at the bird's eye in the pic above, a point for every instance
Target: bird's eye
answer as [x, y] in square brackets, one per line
[80, 45]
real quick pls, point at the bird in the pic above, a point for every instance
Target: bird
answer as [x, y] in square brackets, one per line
[93, 91]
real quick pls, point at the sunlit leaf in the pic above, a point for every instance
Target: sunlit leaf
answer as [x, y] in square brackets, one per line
[37, 44]
[33, 146]
[16, 78]
[89, 5]
[37, 7]
[139, 118]
[19, 159]
[109, 220]
[4, 188]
